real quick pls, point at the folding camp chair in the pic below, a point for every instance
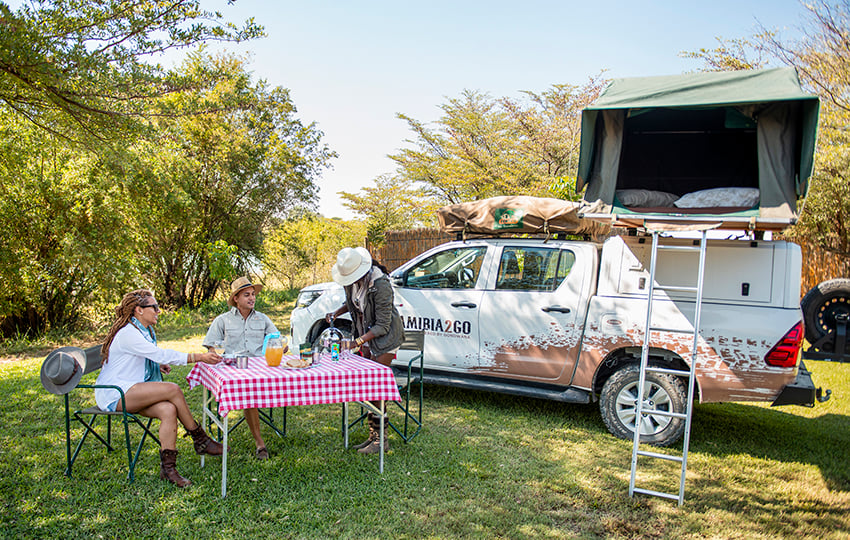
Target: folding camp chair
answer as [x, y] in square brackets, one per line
[95, 413]
[406, 378]
[60, 374]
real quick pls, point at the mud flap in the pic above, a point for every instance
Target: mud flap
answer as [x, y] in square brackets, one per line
[802, 391]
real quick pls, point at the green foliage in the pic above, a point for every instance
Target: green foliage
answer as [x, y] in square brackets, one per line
[82, 70]
[301, 251]
[483, 147]
[391, 205]
[219, 258]
[730, 55]
[64, 242]
[178, 206]
[208, 186]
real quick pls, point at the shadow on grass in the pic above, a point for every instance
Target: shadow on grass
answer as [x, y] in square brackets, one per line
[732, 428]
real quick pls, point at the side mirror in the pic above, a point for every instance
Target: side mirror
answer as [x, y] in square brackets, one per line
[397, 279]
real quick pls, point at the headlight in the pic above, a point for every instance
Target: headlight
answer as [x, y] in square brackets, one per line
[305, 298]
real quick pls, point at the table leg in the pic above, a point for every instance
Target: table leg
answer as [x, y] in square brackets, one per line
[345, 424]
[381, 437]
[208, 417]
[204, 418]
[224, 459]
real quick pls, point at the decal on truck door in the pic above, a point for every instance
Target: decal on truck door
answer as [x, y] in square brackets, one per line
[445, 328]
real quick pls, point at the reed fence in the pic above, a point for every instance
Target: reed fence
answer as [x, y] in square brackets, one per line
[401, 246]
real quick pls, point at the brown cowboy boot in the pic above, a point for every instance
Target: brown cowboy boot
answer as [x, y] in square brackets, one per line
[373, 432]
[203, 443]
[374, 445]
[167, 470]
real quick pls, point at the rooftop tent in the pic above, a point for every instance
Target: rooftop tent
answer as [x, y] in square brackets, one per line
[681, 134]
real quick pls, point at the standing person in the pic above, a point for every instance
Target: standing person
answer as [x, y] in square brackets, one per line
[377, 323]
[135, 364]
[243, 331]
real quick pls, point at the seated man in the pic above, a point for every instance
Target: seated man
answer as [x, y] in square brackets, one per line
[243, 330]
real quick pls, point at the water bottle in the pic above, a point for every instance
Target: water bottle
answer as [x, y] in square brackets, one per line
[336, 343]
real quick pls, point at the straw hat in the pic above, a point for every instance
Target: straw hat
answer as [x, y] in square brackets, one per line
[351, 265]
[238, 285]
[62, 369]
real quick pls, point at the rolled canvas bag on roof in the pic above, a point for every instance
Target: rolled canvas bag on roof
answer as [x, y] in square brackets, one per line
[517, 215]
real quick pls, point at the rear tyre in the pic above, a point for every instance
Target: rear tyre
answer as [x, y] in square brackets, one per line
[618, 404]
[821, 305]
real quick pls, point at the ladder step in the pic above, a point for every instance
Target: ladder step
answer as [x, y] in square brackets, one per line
[668, 371]
[674, 288]
[679, 248]
[657, 494]
[671, 414]
[659, 456]
[673, 330]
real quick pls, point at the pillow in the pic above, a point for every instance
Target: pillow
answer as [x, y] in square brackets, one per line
[728, 196]
[645, 197]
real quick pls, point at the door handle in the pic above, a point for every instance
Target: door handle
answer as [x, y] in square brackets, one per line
[559, 309]
[464, 304]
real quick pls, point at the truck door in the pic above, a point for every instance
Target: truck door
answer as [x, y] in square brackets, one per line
[440, 296]
[528, 318]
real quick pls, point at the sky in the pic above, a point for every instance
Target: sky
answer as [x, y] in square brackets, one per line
[352, 66]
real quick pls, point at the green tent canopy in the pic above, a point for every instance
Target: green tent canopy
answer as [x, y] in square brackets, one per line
[687, 133]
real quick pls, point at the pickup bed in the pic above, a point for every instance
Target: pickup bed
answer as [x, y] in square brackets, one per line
[564, 320]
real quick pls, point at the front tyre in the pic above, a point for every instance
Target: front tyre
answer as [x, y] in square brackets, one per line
[618, 404]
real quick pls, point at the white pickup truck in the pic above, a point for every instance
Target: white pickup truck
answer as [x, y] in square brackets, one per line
[564, 320]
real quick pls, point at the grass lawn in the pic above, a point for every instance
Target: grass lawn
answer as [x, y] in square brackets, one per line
[484, 466]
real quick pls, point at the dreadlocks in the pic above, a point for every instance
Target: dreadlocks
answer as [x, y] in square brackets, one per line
[123, 313]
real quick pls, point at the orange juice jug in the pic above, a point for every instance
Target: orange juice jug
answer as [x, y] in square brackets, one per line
[273, 349]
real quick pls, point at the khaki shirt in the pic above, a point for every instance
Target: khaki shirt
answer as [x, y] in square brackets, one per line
[240, 336]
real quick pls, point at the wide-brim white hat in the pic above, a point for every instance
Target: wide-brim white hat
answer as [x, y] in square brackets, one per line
[351, 265]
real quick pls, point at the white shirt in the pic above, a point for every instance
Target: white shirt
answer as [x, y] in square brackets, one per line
[240, 336]
[125, 365]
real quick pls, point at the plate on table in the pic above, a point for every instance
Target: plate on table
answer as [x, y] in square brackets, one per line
[298, 364]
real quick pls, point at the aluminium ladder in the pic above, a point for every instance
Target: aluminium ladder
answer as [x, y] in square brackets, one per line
[646, 368]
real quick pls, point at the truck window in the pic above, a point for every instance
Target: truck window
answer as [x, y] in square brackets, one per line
[450, 269]
[533, 268]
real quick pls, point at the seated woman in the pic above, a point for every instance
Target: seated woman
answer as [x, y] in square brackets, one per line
[134, 363]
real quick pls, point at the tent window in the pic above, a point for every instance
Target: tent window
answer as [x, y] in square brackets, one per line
[681, 151]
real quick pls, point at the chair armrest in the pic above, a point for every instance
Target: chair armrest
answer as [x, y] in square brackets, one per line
[109, 386]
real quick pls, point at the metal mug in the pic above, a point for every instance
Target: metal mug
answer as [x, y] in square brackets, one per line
[241, 362]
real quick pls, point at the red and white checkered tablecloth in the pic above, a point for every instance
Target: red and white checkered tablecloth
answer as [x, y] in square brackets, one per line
[352, 378]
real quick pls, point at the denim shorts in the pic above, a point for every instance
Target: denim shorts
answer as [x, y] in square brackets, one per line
[112, 407]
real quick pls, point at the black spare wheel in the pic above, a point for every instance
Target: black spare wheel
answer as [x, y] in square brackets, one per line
[821, 305]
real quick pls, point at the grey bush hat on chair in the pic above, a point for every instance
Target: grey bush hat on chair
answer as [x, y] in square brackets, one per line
[63, 369]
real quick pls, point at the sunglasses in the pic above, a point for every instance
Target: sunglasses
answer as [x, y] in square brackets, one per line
[154, 306]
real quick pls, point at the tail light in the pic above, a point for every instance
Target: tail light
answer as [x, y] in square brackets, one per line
[787, 350]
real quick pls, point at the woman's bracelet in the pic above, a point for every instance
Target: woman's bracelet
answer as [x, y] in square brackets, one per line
[191, 358]
[359, 341]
